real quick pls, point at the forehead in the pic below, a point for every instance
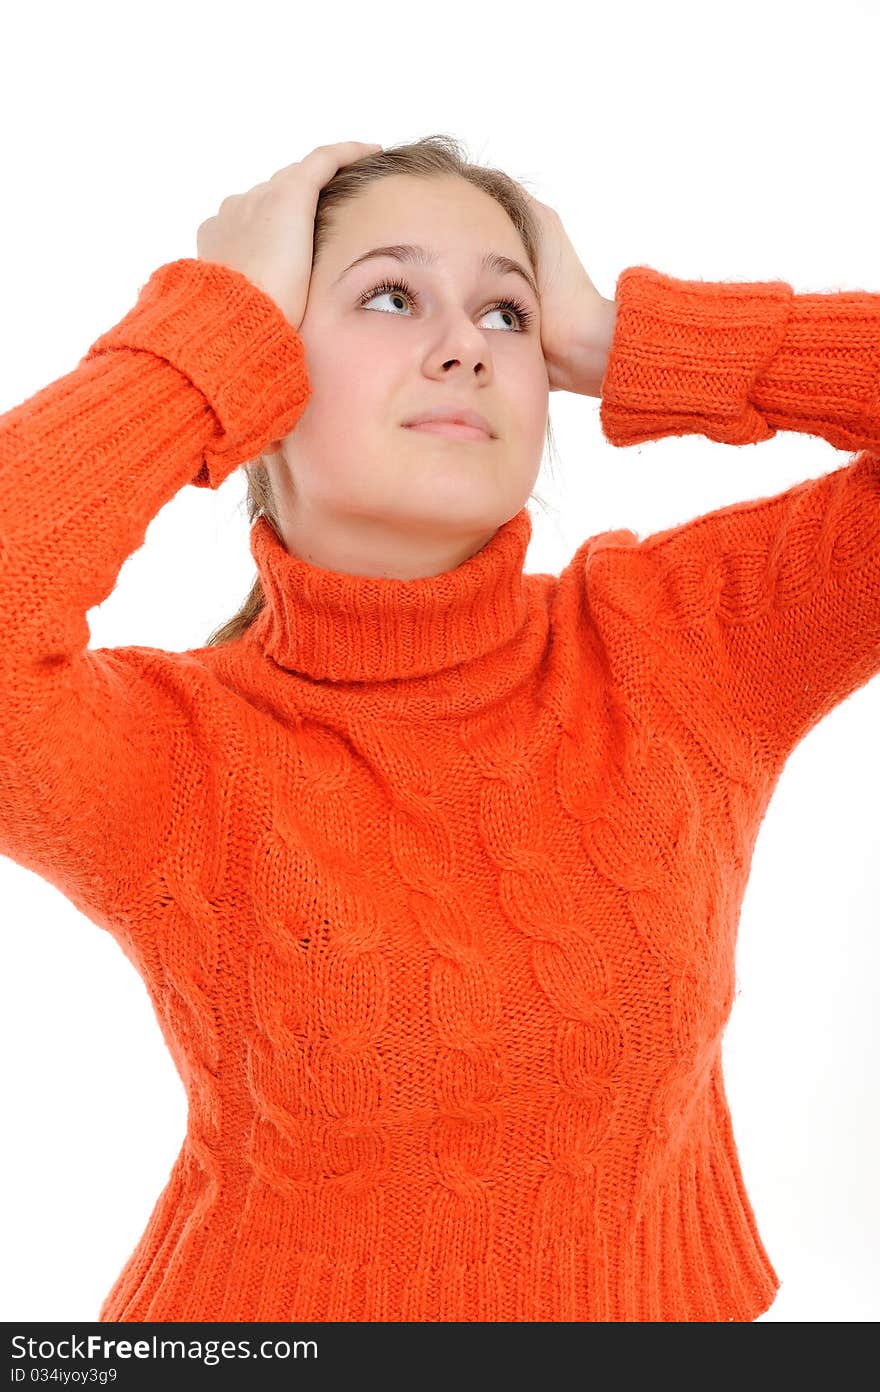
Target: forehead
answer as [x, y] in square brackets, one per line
[445, 214]
[425, 222]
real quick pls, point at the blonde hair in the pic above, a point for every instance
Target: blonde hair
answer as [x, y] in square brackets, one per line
[431, 156]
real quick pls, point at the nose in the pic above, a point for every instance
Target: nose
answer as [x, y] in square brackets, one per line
[470, 356]
[450, 362]
[467, 343]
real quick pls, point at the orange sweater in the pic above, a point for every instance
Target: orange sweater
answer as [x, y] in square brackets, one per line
[434, 884]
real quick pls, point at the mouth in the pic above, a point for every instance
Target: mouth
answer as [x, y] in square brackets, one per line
[454, 430]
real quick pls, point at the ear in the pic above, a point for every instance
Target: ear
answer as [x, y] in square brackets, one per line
[273, 447]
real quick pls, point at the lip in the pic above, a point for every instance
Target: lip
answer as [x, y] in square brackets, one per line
[456, 430]
[453, 415]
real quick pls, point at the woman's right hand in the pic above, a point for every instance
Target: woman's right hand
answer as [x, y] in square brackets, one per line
[268, 232]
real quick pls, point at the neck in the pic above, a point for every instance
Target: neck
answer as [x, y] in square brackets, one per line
[371, 547]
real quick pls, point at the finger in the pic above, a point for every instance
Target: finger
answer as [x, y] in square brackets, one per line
[344, 152]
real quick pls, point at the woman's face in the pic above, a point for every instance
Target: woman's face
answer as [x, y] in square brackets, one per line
[352, 468]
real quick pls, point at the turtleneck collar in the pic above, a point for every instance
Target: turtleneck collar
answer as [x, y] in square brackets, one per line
[331, 626]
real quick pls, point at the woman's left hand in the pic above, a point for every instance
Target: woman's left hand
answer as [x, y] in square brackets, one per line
[577, 323]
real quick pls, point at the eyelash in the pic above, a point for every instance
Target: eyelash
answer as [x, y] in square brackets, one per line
[389, 286]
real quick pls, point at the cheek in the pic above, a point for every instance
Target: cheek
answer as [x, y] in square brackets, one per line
[532, 397]
[343, 406]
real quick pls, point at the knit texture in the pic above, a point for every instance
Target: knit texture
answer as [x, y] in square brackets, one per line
[434, 884]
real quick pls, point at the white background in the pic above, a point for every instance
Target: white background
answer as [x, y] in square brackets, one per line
[709, 141]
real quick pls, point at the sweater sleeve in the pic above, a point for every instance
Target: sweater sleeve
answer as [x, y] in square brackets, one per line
[197, 377]
[771, 606]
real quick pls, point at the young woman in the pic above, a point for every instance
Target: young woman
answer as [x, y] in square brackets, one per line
[432, 867]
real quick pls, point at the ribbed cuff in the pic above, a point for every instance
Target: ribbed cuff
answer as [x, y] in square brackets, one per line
[686, 354]
[233, 342]
[825, 378]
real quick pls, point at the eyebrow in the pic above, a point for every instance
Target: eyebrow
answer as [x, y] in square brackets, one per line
[419, 256]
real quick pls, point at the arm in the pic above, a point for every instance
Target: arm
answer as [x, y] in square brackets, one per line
[771, 606]
[581, 368]
[193, 380]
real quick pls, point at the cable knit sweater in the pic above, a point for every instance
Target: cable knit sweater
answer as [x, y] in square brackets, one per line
[434, 884]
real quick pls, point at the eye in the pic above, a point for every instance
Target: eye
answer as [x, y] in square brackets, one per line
[400, 289]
